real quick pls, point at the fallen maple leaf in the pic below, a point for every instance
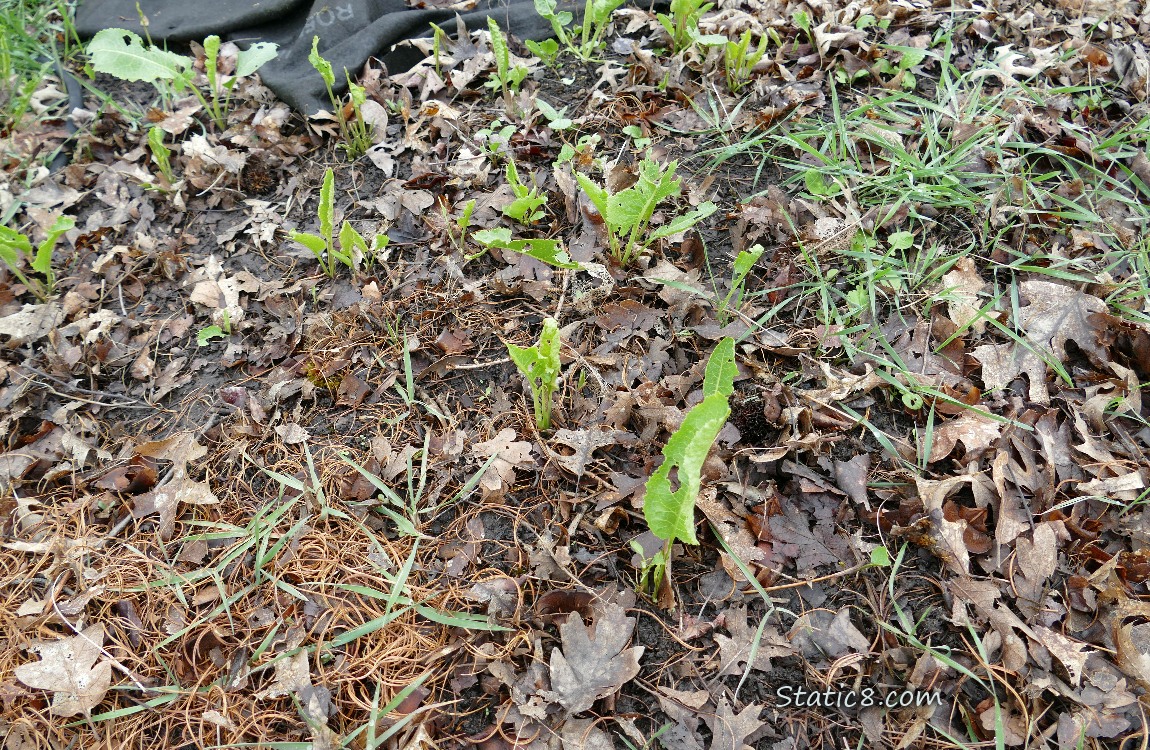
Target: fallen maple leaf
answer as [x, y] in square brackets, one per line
[68, 668]
[593, 665]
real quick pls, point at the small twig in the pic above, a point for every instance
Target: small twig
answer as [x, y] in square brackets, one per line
[480, 365]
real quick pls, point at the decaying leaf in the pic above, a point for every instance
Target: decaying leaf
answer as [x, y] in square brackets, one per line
[593, 663]
[511, 454]
[70, 668]
[731, 730]
[584, 443]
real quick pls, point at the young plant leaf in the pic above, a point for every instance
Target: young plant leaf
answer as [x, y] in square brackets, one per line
[320, 64]
[540, 364]
[719, 376]
[671, 514]
[544, 251]
[122, 54]
[253, 58]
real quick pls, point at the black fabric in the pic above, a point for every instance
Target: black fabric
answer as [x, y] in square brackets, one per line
[350, 31]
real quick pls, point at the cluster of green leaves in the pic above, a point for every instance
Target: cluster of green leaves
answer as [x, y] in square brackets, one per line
[740, 58]
[14, 246]
[528, 199]
[122, 54]
[671, 514]
[585, 40]
[540, 365]
[627, 213]
[682, 24]
[352, 248]
[506, 77]
[355, 132]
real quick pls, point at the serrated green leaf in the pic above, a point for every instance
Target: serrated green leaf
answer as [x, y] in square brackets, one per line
[211, 57]
[121, 53]
[320, 64]
[499, 48]
[545, 251]
[598, 195]
[497, 237]
[685, 222]
[636, 204]
[350, 240]
[42, 263]
[721, 370]
[671, 515]
[253, 58]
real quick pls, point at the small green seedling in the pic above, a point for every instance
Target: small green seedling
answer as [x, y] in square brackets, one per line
[671, 514]
[627, 213]
[14, 245]
[161, 154]
[352, 249]
[121, 53]
[744, 262]
[550, 252]
[495, 140]
[556, 119]
[909, 57]
[462, 223]
[547, 51]
[525, 207]
[355, 131]
[584, 149]
[540, 365]
[506, 78]
[636, 134]
[207, 334]
[221, 87]
[682, 24]
[739, 59]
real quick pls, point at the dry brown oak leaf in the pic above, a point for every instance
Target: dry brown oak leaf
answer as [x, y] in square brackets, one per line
[68, 668]
[593, 663]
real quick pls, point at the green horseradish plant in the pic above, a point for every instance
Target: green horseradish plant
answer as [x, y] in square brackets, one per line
[506, 77]
[14, 245]
[671, 513]
[682, 24]
[586, 39]
[121, 53]
[352, 247]
[356, 132]
[627, 213]
[540, 366]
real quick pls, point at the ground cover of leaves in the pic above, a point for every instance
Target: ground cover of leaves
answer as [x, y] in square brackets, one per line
[933, 481]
